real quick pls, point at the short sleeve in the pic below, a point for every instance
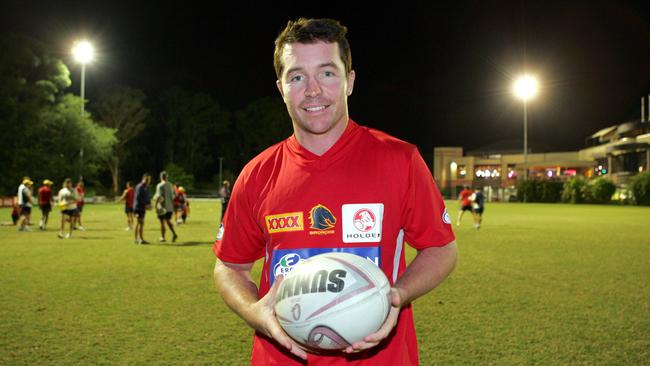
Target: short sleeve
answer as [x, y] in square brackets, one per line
[240, 238]
[426, 221]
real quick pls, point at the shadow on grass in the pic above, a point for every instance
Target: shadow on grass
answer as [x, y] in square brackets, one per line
[91, 237]
[182, 244]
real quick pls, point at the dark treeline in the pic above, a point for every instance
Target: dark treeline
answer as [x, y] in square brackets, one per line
[123, 132]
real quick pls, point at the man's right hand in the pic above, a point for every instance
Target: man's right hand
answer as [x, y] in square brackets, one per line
[261, 317]
[239, 292]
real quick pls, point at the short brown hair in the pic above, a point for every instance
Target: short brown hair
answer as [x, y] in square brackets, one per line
[308, 31]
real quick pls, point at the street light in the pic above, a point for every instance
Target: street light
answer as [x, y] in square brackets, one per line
[525, 88]
[83, 53]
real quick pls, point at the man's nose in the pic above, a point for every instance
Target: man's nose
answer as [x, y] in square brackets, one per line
[313, 88]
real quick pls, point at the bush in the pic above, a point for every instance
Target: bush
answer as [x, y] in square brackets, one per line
[640, 188]
[600, 190]
[539, 191]
[177, 175]
[575, 190]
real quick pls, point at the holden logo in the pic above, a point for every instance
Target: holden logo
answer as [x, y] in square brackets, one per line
[364, 220]
[445, 217]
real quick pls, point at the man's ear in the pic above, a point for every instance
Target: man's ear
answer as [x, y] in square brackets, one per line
[351, 77]
[278, 84]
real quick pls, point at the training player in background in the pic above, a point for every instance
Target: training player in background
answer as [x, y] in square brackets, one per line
[68, 207]
[181, 206]
[141, 204]
[224, 193]
[334, 185]
[465, 203]
[478, 206]
[164, 198]
[80, 193]
[45, 201]
[127, 196]
[25, 202]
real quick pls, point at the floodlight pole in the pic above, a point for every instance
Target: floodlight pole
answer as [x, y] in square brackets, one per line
[525, 146]
[83, 87]
[525, 140]
[220, 170]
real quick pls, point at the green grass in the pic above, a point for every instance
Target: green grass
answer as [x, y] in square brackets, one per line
[537, 284]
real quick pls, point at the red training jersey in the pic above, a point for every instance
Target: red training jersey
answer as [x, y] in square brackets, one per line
[80, 194]
[44, 195]
[130, 194]
[464, 197]
[367, 195]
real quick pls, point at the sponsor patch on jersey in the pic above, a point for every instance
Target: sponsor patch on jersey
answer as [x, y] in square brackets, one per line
[284, 260]
[285, 264]
[322, 220]
[220, 232]
[362, 222]
[291, 221]
[445, 217]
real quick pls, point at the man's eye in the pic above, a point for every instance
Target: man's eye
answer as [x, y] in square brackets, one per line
[296, 78]
[329, 74]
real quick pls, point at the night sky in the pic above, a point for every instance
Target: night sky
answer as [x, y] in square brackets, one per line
[436, 74]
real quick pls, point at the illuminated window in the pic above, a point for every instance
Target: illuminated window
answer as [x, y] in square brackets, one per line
[488, 172]
[512, 173]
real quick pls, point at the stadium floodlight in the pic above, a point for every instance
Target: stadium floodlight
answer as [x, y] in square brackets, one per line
[83, 52]
[525, 88]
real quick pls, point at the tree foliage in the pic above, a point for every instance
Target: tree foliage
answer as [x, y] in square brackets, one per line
[600, 190]
[575, 190]
[640, 188]
[179, 176]
[122, 109]
[44, 134]
[196, 126]
[539, 190]
[581, 190]
[260, 124]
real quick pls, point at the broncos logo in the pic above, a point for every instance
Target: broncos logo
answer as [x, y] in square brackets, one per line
[321, 218]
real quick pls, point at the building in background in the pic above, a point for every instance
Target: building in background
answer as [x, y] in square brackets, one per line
[619, 152]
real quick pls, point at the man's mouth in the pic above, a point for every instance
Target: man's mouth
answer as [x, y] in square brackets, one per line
[315, 108]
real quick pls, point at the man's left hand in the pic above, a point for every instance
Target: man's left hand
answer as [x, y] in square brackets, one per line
[382, 333]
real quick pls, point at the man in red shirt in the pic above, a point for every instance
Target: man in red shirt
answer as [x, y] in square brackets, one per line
[127, 197]
[45, 202]
[465, 203]
[301, 197]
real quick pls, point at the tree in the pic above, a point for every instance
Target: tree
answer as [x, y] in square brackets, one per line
[66, 134]
[179, 176]
[122, 109]
[195, 130]
[42, 128]
[260, 124]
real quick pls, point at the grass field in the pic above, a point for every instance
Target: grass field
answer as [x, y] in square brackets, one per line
[545, 284]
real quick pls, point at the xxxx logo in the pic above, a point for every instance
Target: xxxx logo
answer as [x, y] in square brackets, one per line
[291, 221]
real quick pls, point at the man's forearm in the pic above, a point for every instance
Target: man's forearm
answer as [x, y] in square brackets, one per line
[429, 268]
[235, 286]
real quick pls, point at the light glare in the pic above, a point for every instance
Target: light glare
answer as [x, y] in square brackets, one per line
[525, 87]
[83, 52]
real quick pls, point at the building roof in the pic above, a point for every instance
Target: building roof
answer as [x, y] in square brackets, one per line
[510, 146]
[603, 132]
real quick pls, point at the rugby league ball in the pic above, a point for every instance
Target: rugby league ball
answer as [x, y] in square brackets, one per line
[332, 300]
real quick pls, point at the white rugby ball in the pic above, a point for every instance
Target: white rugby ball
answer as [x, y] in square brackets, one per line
[332, 300]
